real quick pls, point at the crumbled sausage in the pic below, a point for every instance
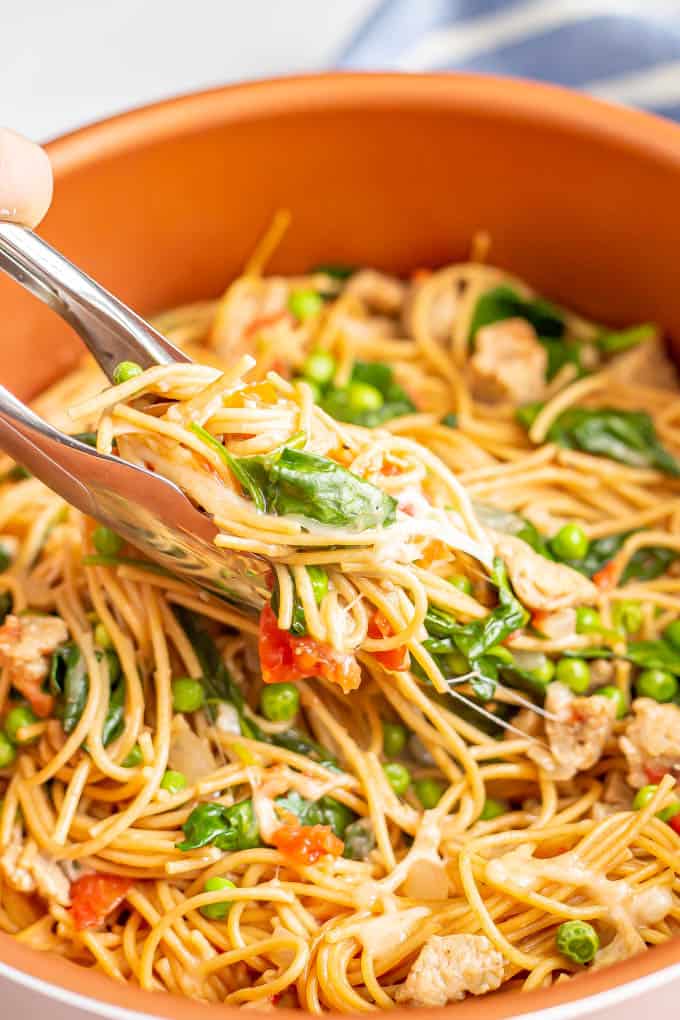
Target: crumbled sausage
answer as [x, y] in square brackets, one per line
[449, 966]
[509, 363]
[26, 642]
[616, 796]
[577, 730]
[251, 306]
[651, 742]
[442, 306]
[540, 583]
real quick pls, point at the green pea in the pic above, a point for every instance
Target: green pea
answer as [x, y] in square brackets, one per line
[493, 809]
[587, 620]
[616, 695]
[187, 694]
[429, 792]
[102, 636]
[16, 719]
[578, 941]
[394, 738]
[575, 673]
[669, 812]
[319, 368]
[319, 579]
[173, 781]
[398, 776]
[133, 758]
[544, 673]
[627, 616]
[106, 541]
[656, 684]
[362, 396]
[672, 633]
[125, 370]
[217, 911]
[643, 796]
[280, 702]
[461, 582]
[7, 752]
[303, 304]
[570, 542]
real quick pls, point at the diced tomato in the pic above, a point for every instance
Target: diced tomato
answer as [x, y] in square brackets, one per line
[262, 321]
[285, 658]
[512, 636]
[41, 703]
[674, 823]
[655, 773]
[538, 618]
[93, 897]
[607, 578]
[394, 658]
[305, 844]
[390, 469]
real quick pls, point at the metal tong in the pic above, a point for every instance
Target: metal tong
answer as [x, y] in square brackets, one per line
[145, 508]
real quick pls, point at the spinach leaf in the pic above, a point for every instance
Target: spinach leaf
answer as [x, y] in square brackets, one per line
[654, 655]
[475, 640]
[561, 353]
[293, 482]
[114, 721]
[338, 404]
[359, 840]
[503, 302]
[325, 811]
[625, 436]
[228, 828]
[6, 602]
[215, 677]
[70, 683]
[18, 473]
[315, 487]
[319, 579]
[236, 828]
[89, 438]
[615, 341]
[338, 270]
[645, 564]
[450, 420]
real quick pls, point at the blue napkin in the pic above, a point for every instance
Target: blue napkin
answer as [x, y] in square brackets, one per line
[626, 51]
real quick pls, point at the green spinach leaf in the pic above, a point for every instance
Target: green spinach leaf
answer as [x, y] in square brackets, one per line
[476, 640]
[70, 684]
[644, 565]
[6, 602]
[625, 436]
[654, 655]
[228, 828]
[616, 341]
[503, 302]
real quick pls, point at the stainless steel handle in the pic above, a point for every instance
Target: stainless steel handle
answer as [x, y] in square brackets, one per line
[111, 330]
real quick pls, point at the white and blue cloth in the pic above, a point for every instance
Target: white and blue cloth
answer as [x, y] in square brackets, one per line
[626, 51]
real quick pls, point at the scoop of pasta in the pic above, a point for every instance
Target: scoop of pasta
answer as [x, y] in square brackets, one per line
[364, 529]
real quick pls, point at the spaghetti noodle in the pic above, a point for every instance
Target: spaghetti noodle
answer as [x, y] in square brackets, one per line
[445, 758]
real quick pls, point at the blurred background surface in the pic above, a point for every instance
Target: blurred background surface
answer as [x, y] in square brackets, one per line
[68, 62]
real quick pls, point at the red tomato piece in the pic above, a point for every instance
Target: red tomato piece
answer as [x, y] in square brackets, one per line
[262, 321]
[655, 773]
[393, 658]
[285, 658]
[305, 844]
[93, 897]
[674, 823]
[607, 577]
